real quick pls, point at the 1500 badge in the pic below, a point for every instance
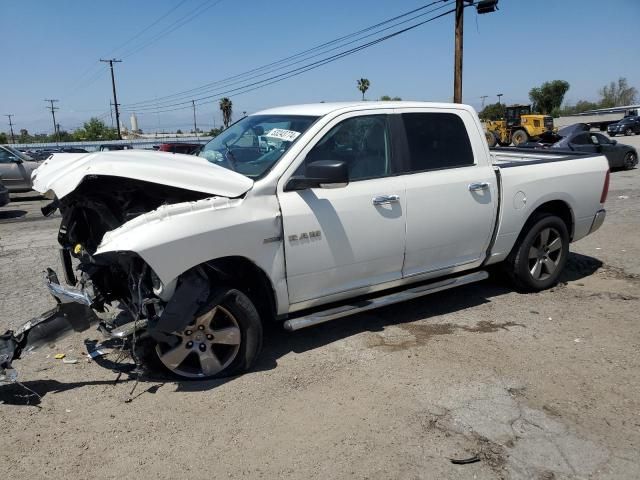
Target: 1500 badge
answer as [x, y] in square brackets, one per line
[314, 235]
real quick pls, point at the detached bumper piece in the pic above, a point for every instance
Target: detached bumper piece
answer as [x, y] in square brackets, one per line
[598, 220]
[73, 313]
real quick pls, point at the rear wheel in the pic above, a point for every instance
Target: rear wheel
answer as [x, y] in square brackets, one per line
[628, 131]
[540, 254]
[519, 137]
[630, 160]
[223, 339]
[611, 134]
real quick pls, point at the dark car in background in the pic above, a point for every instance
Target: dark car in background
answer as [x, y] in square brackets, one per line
[626, 126]
[177, 147]
[579, 138]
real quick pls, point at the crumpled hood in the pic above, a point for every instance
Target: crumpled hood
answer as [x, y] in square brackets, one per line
[63, 172]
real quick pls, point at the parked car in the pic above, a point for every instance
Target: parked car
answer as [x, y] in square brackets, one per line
[177, 147]
[16, 168]
[73, 150]
[626, 126]
[360, 205]
[4, 193]
[113, 147]
[578, 138]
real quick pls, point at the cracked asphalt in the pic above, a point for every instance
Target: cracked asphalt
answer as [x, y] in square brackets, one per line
[532, 386]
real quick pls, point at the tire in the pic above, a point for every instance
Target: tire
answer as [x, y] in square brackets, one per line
[492, 139]
[518, 137]
[628, 132]
[504, 144]
[224, 339]
[630, 161]
[612, 134]
[531, 266]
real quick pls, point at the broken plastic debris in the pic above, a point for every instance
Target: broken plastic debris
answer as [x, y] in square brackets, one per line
[577, 340]
[97, 353]
[70, 360]
[59, 356]
[598, 248]
[623, 197]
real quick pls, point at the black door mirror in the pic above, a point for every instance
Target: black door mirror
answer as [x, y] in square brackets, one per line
[613, 142]
[321, 173]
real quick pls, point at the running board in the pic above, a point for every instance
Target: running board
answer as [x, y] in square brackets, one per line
[369, 304]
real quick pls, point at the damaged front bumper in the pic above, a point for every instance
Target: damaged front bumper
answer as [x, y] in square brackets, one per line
[73, 312]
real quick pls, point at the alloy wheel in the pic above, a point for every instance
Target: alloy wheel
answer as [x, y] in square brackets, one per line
[545, 253]
[206, 347]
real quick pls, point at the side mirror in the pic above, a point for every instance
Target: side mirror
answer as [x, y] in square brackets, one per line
[613, 142]
[321, 173]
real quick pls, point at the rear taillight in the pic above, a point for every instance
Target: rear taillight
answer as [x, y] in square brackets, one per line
[605, 188]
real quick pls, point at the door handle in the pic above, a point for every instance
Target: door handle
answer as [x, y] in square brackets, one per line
[385, 199]
[476, 187]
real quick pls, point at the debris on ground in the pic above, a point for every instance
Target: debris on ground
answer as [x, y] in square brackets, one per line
[59, 356]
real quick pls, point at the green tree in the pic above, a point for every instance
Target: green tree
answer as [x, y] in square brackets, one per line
[363, 85]
[493, 111]
[548, 96]
[3, 138]
[95, 129]
[226, 106]
[617, 94]
[179, 132]
[214, 132]
[579, 107]
[387, 98]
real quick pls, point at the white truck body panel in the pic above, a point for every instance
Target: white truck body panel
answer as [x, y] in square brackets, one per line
[438, 225]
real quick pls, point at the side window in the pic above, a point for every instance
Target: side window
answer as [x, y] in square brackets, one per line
[436, 141]
[364, 143]
[582, 139]
[5, 157]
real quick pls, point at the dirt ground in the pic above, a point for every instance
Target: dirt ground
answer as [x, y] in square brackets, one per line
[537, 386]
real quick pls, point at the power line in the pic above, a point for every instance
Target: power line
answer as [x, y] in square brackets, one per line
[171, 28]
[305, 53]
[298, 71]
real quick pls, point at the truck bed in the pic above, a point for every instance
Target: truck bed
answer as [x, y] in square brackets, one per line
[505, 157]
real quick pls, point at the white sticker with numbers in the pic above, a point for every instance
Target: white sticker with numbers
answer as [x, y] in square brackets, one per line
[282, 134]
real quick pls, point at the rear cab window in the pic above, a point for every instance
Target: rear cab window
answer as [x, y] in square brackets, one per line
[435, 141]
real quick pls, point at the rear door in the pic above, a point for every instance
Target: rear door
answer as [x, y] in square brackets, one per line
[348, 238]
[451, 192]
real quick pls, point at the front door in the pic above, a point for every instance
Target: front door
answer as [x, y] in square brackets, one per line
[352, 237]
[15, 172]
[451, 198]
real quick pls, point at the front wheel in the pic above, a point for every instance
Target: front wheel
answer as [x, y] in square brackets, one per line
[628, 132]
[519, 137]
[630, 160]
[223, 339]
[540, 255]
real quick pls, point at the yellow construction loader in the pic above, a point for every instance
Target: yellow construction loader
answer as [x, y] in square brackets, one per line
[518, 126]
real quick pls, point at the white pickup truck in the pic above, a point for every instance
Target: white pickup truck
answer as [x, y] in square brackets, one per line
[359, 205]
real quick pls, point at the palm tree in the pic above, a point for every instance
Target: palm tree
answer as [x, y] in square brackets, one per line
[226, 106]
[363, 85]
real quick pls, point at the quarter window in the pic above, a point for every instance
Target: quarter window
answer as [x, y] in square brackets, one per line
[364, 143]
[436, 141]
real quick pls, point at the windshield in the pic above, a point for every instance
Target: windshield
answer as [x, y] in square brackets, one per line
[19, 154]
[254, 144]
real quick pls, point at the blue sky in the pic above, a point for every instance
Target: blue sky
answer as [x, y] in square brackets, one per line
[51, 50]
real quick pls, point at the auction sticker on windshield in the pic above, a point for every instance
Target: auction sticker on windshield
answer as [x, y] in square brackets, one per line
[282, 134]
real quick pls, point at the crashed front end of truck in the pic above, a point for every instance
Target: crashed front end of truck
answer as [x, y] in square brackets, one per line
[115, 289]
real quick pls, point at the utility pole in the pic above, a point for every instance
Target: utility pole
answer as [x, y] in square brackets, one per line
[457, 62]
[483, 97]
[482, 6]
[195, 127]
[53, 114]
[111, 61]
[499, 95]
[13, 137]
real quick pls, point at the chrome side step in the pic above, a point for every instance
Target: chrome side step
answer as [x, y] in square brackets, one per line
[369, 304]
